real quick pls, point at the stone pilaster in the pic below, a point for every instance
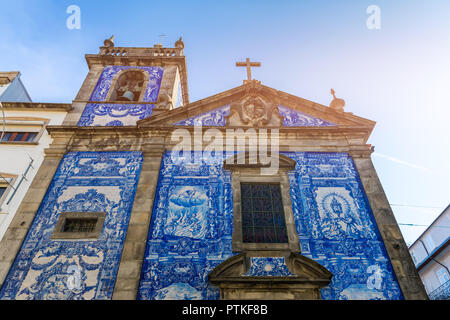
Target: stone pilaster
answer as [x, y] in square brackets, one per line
[128, 277]
[168, 80]
[21, 223]
[83, 95]
[404, 268]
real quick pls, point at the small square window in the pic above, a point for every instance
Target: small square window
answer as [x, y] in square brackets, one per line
[79, 225]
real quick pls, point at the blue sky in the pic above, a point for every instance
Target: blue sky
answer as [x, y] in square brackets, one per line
[398, 76]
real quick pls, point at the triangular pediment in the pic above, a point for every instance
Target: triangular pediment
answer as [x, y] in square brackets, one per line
[288, 118]
[255, 105]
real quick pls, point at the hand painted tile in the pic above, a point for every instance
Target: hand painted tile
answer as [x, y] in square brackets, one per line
[110, 115]
[109, 72]
[334, 222]
[190, 231]
[336, 227]
[291, 118]
[268, 267]
[55, 269]
[114, 115]
[214, 117]
[294, 118]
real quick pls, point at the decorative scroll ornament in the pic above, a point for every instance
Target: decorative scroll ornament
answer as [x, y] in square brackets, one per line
[254, 111]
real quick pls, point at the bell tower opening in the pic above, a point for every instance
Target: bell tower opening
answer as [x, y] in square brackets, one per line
[128, 87]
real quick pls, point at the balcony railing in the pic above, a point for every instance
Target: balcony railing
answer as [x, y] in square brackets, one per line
[441, 293]
[154, 52]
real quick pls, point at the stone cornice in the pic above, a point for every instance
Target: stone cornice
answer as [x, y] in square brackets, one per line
[106, 60]
[316, 131]
[307, 139]
[37, 106]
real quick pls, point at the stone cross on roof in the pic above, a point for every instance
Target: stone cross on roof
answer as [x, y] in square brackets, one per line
[249, 65]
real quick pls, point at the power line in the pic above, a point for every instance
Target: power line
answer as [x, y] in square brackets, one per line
[421, 225]
[405, 205]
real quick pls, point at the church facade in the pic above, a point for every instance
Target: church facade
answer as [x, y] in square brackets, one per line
[252, 193]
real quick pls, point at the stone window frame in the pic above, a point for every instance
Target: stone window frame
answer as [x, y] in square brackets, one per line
[251, 173]
[58, 233]
[21, 122]
[116, 78]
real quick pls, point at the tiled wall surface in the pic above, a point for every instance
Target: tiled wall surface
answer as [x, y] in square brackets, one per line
[191, 229]
[337, 229]
[190, 232]
[84, 269]
[291, 118]
[108, 114]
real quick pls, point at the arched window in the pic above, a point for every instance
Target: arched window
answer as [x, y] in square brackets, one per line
[129, 86]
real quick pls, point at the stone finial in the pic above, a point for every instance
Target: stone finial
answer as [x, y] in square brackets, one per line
[337, 104]
[179, 44]
[109, 42]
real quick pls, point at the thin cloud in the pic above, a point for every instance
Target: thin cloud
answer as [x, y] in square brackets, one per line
[408, 164]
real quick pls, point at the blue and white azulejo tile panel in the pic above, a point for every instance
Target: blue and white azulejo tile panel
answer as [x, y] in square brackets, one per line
[268, 267]
[294, 118]
[109, 72]
[216, 117]
[101, 113]
[190, 232]
[291, 118]
[191, 229]
[337, 229]
[114, 115]
[56, 269]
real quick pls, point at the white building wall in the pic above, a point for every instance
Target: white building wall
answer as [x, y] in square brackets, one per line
[15, 158]
[432, 239]
[429, 274]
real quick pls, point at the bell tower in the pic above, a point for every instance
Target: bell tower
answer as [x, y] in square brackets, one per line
[128, 84]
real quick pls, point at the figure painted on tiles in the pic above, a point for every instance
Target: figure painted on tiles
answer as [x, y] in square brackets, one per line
[187, 214]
